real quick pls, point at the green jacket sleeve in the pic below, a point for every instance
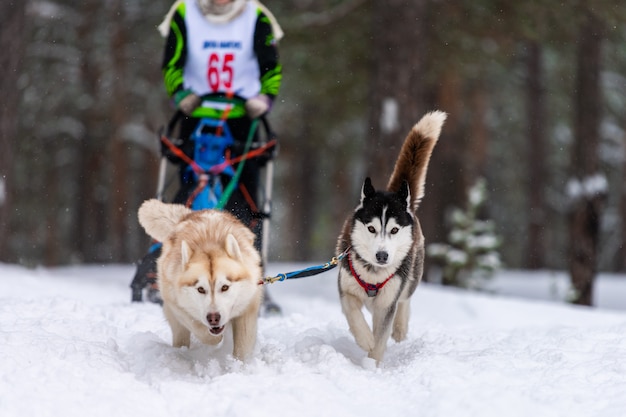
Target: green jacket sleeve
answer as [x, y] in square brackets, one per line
[175, 53]
[267, 56]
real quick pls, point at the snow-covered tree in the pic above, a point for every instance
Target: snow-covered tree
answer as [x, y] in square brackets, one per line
[471, 254]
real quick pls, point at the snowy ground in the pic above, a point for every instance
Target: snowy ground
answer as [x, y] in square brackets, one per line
[71, 344]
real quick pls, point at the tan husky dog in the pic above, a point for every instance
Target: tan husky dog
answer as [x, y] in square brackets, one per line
[208, 274]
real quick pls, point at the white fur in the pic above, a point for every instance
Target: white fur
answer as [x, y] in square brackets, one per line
[367, 244]
[430, 124]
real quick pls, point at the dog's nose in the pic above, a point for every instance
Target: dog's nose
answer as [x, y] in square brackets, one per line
[381, 257]
[213, 319]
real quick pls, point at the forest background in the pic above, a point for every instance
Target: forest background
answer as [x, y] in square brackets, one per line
[535, 92]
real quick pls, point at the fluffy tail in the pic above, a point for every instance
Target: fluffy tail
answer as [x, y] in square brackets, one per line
[160, 219]
[412, 162]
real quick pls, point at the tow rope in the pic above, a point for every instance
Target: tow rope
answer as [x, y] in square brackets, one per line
[306, 272]
[235, 179]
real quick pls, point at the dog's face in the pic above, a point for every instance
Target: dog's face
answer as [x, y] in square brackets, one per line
[214, 286]
[382, 232]
[208, 268]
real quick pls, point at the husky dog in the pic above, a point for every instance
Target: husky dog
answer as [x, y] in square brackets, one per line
[384, 245]
[208, 274]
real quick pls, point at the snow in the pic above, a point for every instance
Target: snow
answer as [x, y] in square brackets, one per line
[72, 344]
[588, 187]
[389, 120]
[3, 191]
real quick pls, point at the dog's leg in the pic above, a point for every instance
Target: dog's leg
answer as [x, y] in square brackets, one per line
[245, 331]
[401, 322]
[181, 336]
[382, 322]
[352, 309]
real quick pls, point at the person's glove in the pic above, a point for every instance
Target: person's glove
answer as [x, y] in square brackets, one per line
[186, 101]
[257, 106]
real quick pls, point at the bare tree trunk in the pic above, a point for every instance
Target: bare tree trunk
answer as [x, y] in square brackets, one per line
[51, 235]
[620, 262]
[397, 86]
[535, 110]
[448, 176]
[479, 133]
[91, 223]
[302, 191]
[12, 35]
[119, 151]
[451, 166]
[587, 187]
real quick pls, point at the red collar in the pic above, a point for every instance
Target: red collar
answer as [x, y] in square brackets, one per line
[370, 289]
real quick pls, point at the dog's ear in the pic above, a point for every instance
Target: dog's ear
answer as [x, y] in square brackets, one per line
[405, 194]
[232, 248]
[185, 254]
[368, 189]
[159, 219]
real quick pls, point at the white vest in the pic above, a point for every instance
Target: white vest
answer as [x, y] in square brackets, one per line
[220, 57]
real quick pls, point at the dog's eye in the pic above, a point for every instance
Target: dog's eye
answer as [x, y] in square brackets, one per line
[371, 229]
[201, 290]
[225, 288]
[394, 230]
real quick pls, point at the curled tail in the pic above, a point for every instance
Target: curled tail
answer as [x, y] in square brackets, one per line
[412, 162]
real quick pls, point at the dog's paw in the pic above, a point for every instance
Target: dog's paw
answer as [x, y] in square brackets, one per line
[376, 355]
[399, 333]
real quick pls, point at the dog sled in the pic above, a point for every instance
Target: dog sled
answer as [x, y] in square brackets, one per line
[213, 174]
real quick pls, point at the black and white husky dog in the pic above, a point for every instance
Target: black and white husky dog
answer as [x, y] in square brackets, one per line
[384, 245]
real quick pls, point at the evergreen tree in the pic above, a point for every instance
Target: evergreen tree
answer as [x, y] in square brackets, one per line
[471, 254]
